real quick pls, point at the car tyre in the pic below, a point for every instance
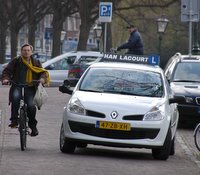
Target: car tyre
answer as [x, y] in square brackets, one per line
[66, 146]
[163, 152]
[172, 150]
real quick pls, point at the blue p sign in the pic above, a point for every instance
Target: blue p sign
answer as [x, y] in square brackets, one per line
[105, 11]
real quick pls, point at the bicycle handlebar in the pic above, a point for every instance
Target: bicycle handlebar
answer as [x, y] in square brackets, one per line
[33, 82]
[113, 50]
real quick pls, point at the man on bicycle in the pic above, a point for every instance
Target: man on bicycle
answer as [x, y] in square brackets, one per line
[135, 42]
[23, 70]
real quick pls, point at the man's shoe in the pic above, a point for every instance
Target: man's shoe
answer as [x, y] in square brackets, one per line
[13, 124]
[34, 132]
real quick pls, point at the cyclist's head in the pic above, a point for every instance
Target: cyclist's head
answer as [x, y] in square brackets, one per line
[27, 45]
[131, 27]
[26, 50]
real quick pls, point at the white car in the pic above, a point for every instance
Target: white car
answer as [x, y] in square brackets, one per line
[58, 67]
[121, 104]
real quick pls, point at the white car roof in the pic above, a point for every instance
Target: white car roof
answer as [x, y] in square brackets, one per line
[73, 53]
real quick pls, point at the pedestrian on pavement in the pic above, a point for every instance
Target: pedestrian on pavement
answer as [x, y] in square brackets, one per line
[24, 69]
[135, 43]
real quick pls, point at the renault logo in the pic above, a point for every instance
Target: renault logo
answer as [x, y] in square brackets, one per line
[114, 114]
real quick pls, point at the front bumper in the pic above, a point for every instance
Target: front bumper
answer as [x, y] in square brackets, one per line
[143, 134]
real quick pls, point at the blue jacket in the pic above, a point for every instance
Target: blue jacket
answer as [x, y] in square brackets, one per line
[134, 44]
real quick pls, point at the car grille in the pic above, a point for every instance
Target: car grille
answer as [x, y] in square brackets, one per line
[135, 133]
[95, 114]
[101, 115]
[133, 117]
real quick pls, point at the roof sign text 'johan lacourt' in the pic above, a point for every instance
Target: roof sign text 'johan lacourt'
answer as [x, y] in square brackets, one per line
[126, 58]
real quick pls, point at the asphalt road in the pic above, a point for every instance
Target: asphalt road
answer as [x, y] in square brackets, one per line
[43, 157]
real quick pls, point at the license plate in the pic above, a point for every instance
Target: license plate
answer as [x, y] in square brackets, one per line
[113, 125]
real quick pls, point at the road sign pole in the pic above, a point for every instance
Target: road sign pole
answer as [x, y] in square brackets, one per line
[105, 37]
[190, 28]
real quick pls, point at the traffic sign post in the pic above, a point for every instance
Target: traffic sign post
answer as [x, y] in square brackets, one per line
[190, 13]
[105, 15]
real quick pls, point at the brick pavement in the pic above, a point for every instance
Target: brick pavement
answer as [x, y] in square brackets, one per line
[184, 136]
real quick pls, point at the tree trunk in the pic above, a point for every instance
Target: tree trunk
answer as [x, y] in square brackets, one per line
[3, 30]
[83, 37]
[13, 41]
[31, 34]
[57, 28]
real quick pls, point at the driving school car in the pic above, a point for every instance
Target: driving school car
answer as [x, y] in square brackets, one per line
[123, 101]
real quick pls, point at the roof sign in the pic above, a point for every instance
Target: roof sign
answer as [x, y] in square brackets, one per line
[126, 58]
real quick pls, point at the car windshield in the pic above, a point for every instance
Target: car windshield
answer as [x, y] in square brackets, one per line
[127, 82]
[187, 71]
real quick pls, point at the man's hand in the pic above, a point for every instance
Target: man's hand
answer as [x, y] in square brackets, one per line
[119, 48]
[5, 82]
[42, 80]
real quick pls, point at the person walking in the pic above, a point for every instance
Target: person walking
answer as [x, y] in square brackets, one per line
[23, 70]
[135, 42]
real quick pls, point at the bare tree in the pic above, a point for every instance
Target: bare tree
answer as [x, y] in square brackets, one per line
[60, 9]
[88, 11]
[17, 18]
[3, 29]
[35, 10]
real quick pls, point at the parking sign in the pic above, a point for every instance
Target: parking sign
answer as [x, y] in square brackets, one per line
[105, 11]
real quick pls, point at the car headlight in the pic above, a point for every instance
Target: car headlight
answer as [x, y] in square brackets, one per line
[76, 107]
[189, 100]
[155, 114]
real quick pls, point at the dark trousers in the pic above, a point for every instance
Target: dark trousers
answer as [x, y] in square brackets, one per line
[16, 95]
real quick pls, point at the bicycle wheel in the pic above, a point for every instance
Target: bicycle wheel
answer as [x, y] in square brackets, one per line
[22, 128]
[197, 136]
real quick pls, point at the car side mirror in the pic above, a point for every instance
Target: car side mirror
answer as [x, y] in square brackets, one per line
[177, 99]
[70, 61]
[50, 67]
[65, 88]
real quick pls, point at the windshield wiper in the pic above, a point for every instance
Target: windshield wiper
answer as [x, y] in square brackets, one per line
[89, 90]
[186, 81]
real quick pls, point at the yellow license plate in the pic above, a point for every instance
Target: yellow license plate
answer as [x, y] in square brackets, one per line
[113, 125]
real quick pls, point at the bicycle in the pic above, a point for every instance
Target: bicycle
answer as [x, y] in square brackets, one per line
[23, 118]
[197, 136]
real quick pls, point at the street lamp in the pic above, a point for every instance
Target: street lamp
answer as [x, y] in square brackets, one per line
[161, 27]
[97, 31]
[62, 38]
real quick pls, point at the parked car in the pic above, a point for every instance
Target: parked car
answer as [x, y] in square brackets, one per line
[121, 104]
[77, 69]
[183, 73]
[58, 67]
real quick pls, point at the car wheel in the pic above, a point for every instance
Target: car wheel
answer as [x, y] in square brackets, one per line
[66, 146]
[163, 152]
[172, 150]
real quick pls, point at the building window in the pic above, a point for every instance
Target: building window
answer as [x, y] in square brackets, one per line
[70, 23]
[76, 22]
[90, 41]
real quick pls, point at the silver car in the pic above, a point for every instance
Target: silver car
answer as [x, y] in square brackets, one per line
[58, 67]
